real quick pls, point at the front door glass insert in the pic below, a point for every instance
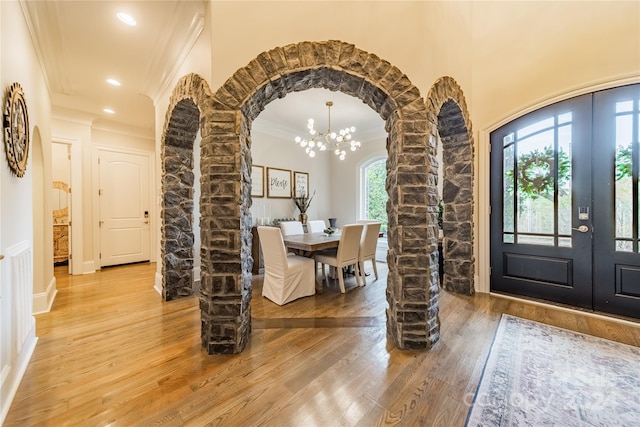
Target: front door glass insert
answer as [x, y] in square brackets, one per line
[537, 183]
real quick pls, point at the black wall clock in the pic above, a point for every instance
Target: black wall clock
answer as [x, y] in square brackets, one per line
[16, 129]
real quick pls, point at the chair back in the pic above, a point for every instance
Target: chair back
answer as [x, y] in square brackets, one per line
[316, 226]
[290, 228]
[365, 221]
[349, 246]
[273, 249]
[369, 241]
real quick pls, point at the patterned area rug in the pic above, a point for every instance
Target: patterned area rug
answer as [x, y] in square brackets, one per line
[540, 375]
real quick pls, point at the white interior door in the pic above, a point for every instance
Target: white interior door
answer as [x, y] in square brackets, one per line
[124, 208]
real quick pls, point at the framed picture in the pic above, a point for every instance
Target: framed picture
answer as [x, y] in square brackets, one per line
[278, 183]
[257, 181]
[300, 184]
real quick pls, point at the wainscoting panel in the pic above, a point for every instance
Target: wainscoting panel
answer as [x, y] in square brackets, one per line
[21, 326]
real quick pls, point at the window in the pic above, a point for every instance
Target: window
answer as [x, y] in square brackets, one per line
[373, 194]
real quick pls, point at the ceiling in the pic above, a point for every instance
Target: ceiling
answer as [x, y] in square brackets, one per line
[82, 43]
[287, 117]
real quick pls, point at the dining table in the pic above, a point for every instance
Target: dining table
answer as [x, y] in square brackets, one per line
[312, 242]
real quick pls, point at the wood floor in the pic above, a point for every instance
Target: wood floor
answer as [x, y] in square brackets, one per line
[110, 352]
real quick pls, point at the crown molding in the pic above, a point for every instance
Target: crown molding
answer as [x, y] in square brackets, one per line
[166, 62]
[44, 25]
[99, 123]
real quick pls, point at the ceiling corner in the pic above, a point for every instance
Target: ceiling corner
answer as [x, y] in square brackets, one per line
[44, 24]
[172, 49]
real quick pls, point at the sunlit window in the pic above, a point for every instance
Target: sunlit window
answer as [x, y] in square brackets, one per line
[373, 192]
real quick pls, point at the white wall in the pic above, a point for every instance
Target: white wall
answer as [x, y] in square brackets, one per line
[276, 152]
[573, 48]
[19, 64]
[197, 61]
[84, 137]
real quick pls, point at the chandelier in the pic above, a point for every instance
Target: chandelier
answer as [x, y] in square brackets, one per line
[338, 142]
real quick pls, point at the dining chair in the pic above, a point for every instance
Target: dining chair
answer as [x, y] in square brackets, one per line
[286, 276]
[290, 228]
[366, 221]
[368, 246]
[316, 226]
[346, 255]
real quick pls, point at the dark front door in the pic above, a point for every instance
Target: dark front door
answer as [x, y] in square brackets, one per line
[616, 160]
[564, 203]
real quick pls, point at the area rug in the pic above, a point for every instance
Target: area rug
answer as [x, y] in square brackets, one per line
[540, 375]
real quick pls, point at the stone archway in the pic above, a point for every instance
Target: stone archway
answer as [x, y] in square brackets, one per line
[412, 287]
[448, 116]
[177, 238]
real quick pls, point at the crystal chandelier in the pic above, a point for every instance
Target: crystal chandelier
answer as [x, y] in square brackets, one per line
[338, 142]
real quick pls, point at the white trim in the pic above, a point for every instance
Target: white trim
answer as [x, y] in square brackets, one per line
[158, 283]
[360, 169]
[43, 301]
[88, 267]
[11, 375]
[77, 189]
[483, 208]
[484, 175]
[566, 94]
[568, 309]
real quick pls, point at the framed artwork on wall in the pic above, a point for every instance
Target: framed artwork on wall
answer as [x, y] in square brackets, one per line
[278, 183]
[257, 181]
[300, 184]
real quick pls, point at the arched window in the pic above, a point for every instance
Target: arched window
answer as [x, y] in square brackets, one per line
[373, 194]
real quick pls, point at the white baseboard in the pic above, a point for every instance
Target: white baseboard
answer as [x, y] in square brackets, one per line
[158, 283]
[480, 287]
[42, 302]
[88, 267]
[11, 375]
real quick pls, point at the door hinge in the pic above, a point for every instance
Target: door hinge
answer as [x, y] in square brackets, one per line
[69, 190]
[100, 223]
[99, 192]
[98, 160]
[100, 255]
[70, 256]
[70, 224]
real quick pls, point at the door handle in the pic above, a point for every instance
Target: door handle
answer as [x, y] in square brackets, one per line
[582, 228]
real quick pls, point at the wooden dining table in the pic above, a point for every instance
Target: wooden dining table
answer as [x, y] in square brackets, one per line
[311, 242]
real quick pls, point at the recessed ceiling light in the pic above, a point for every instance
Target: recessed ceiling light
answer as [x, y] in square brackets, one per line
[126, 18]
[113, 82]
[109, 111]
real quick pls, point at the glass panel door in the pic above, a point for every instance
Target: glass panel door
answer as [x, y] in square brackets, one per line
[616, 163]
[540, 183]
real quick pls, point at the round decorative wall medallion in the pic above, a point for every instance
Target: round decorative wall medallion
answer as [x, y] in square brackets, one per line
[16, 129]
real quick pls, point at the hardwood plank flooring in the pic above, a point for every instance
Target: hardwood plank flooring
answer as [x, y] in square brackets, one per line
[110, 352]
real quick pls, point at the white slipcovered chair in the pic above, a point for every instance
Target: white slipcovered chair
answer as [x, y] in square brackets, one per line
[290, 228]
[368, 246]
[346, 255]
[365, 221]
[286, 276]
[316, 226]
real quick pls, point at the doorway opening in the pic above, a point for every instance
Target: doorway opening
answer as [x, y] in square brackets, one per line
[225, 123]
[61, 204]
